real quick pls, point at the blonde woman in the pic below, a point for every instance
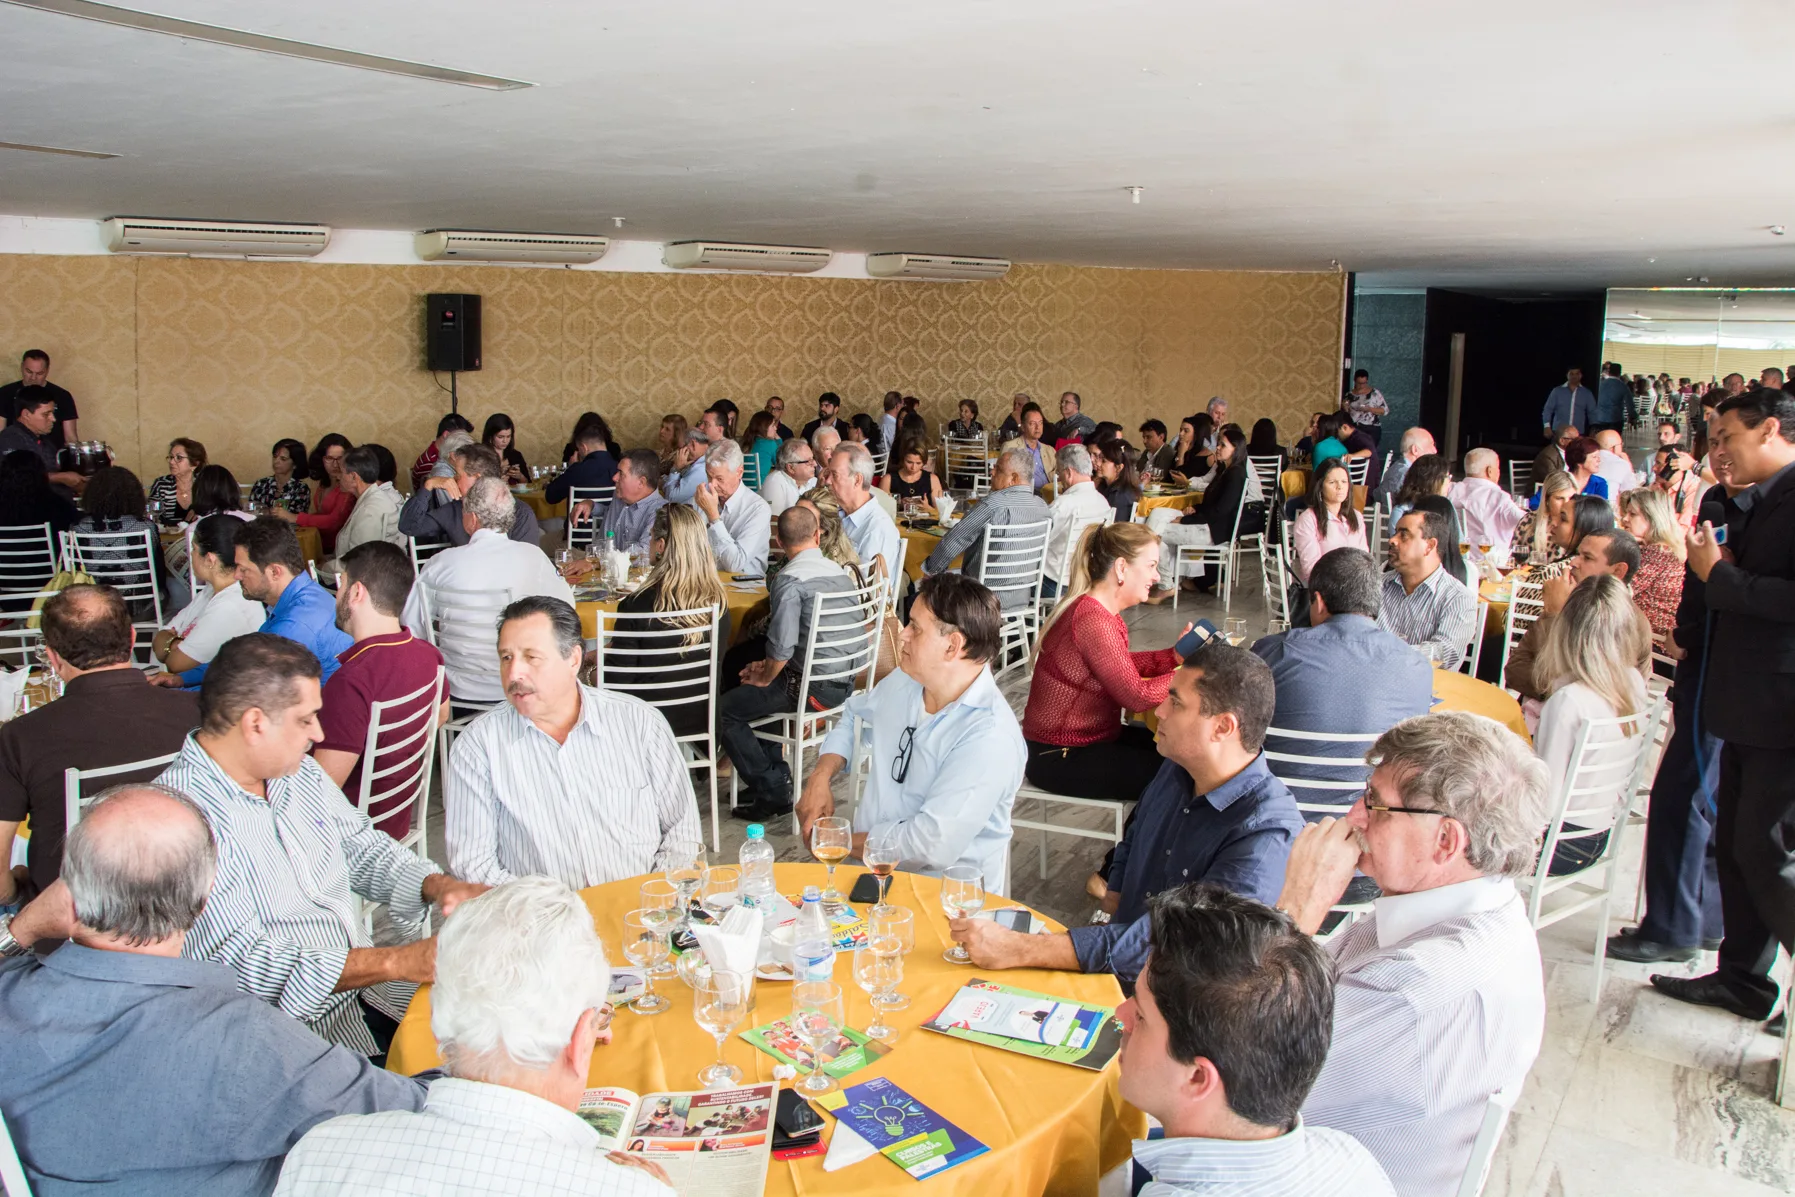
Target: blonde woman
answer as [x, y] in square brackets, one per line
[1533, 535]
[832, 537]
[1586, 656]
[682, 577]
[1658, 586]
[1086, 678]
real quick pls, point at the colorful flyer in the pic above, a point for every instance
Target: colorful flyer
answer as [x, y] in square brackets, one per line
[904, 1131]
[849, 1052]
[1031, 1024]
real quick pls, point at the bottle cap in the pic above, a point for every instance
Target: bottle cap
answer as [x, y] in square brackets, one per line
[756, 831]
[813, 894]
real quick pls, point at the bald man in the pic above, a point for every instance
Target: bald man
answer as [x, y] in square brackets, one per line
[1614, 466]
[204, 1088]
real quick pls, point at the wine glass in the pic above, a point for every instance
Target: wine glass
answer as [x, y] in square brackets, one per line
[685, 869]
[1483, 549]
[881, 859]
[1234, 631]
[898, 924]
[645, 945]
[878, 967]
[660, 900]
[1275, 627]
[830, 840]
[962, 895]
[817, 1018]
[720, 1005]
[720, 890]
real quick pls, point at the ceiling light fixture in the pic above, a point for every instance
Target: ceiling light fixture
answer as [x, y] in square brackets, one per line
[1776, 230]
[221, 35]
[1135, 192]
[53, 149]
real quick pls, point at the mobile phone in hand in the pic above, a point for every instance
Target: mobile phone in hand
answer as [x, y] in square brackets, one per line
[1200, 634]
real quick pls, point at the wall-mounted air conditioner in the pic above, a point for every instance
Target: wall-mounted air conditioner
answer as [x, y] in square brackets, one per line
[935, 266]
[228, 238]
[729, 255]
[457, 245]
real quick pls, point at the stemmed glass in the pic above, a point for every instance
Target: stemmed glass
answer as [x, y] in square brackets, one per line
[881, 859]
[878, 968]
[660, 899]
[817, 1018]
[645, 944]
[52, 679]
[720, 1005]
[1274, 627]
[1234, 631]
[897, 924]
[720, 890]
[962, 896]
[685, 869]
[830, 841]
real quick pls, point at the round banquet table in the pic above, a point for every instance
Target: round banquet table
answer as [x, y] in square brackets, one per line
[739, 600]
[1294, 481]
[1051, 1128]
[1462, 692]
[1498, 594]
[1185, 499]
[919, 543]
[533, 498]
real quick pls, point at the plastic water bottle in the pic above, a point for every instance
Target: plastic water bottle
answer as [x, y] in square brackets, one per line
[756, 860]
[813, 944]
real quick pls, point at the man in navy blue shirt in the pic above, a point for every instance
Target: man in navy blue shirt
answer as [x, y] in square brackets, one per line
[1212, 813]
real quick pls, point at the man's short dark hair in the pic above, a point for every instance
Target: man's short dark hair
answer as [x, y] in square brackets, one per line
[384, 570]
[1238, 683]
[1348, 583]
[1623, 549]
[33, 399]
[256, 671]
[1358, 374]
[268, 541]
[389, 465]
[797, 524]
[1236, 984]
[829, 397]
[969, 607]
[644, 464]
[1614, 369]
[1435, 527]
[454, 422]
[364, 463]
[562, 618]
[1034, 407]
[88, 626]
[1767, 403]
[1155, 426]
[1076, 400]
[480, 461]
[37, 355]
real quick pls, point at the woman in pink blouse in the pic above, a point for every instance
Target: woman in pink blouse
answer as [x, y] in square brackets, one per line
[1327, 521]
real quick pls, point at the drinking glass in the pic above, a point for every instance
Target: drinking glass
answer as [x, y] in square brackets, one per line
[645, 945]
[660, 901]
[720, 1005]
[878, 968]
[881, 859]
[1464, 548]
[962, 896]
[1274, 627]
[1234, 631]
[817, 1018]
[830, 840]
[897, 924]
[720, 890]
[1483, 550]
[685, 869]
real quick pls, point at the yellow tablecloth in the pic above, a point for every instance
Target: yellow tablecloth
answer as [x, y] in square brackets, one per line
[310, 542]
[1462, 692]
[739, 604]
[1185, 499]
[1295, 481]
[1498, 594]
[918, 545]
[534, 499]
[1051, 1128]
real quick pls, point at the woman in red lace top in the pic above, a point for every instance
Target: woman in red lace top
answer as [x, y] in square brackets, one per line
[1658, 586]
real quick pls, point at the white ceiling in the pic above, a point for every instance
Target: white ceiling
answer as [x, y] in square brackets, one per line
[1729, 319]
[1529, 144]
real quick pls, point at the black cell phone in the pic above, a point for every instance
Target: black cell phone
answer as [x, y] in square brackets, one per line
[1015, 919]
[866, 889]
[795, 1120]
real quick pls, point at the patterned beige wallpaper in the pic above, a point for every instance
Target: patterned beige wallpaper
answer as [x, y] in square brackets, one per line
[239, 354]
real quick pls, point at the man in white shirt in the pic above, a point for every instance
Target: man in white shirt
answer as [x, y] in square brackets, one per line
[1439, 996]
[794, 473]
[1224, 1066]
[564, 780]
[850, 480]
[739, 521]
[517, 1030]
[1487, 513]
[504, 569]
[947, 753]
[1076, 507]
[375, 515]
[1615, 467]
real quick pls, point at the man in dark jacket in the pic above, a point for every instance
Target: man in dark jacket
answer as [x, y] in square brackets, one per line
[433, 513]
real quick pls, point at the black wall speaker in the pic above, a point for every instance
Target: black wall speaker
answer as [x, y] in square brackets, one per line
[452, 332]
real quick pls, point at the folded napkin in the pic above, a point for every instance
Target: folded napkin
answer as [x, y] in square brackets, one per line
[12, 684]
[944, 508]
[732, 945]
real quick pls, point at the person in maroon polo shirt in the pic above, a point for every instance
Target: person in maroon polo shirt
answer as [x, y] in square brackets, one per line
[384, 663]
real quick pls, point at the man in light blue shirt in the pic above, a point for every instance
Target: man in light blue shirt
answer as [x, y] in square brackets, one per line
[629, 516]
[738, 522]
[850, 480]
[1570, 403]
[688, 472]
[947, 753]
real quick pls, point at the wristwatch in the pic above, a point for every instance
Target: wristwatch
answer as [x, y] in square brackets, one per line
[8, 945]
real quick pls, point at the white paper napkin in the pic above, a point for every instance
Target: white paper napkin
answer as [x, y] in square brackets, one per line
[733, 945]
[944, 508]
[12, 684]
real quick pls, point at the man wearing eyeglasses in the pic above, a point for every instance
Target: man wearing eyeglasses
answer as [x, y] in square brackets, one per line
[947, 752]
[794, 473]
[1439, 999]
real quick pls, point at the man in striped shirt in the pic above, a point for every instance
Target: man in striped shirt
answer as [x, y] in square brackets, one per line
[1439, 998]
[1012, 501]
[1223, 1036]
[1423, 604]
[292, 851]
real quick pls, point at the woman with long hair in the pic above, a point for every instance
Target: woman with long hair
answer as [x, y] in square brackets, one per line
[1428, 475]
[286, 485]
[113, 502]
[761, 442]
[500, 435]
[1213, 521]
[219, 611]
[331, 504]
[864, 430]
[910, 476]
[1452, 557]
[1533, 535]
[1085, 678]
[1658, 583]
[174, 490]
[1583, 515]
[1192, 458]
[1585, 664]
[832, 536]
[681, 577]
[1264, 443]
[667, 439]
[1118, 475]
[1327, 520]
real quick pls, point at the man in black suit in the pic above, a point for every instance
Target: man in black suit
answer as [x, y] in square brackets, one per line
[1747, 696]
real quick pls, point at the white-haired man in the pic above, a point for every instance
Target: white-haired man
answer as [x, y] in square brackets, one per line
[1487, 513]
[1012, 501]
[1415, 442]
[1218, 411]
[1077, 505]
[738, 520]
[794, 473]
[517, 1009]
[1440, 1001]
[850, 480]
[823, 442]
[489, 562]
